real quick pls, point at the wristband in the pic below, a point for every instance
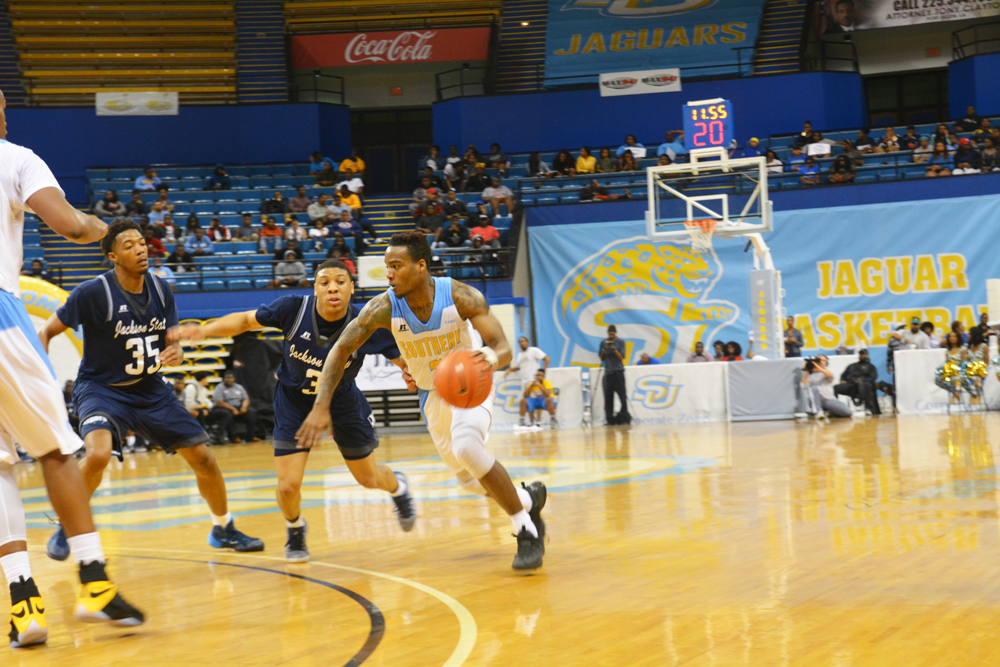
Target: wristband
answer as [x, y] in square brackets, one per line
[490, 355]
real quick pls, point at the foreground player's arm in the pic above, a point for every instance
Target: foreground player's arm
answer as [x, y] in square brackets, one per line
[228, 326]
[173, 354]
[51, 206]
[377, 314]
[471, 305]
[53, 327]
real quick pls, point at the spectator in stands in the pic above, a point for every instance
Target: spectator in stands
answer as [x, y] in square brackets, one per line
[890, 141]
[966, 159]
[318, 163]
[154, 248]
[294, 232]
[864, 144]
[192, 224]
[420, 195]
[233, 397]
[167, 231]
[628, 162]
[594, 191]
[940, 134]
[928, 328]
[326, 177]
[774, 165]
[301, 202]
[319, 209]
[454, 174]
[914, 338]
[353, 165]
[37, 270]
[453, 156]
[452, 205]
[720, 350]
[564, 164]
[952, 144]
[432, 160]
[698, 356]
[485, 230]
[275, 205]
[347, 225]
[245, 231]
[136, 207]
[673, 146]
[163, 196]
[733, 352]
[161, 271]
[472, 158]
[353, 183]
[219, 180]
[339, 249]
[455, 235]
[809, 173]
[348, 198]
[156, 215]
[586, 163]
[539, 168]
[646, 360]
[290, 272]
[148, 181]
[940, 162]
[988, 160]
[958, 329]
[910, 140]
[923, 150]
[198, 244]
[817, 383]
[796, 160]
[842, 170]
[663, 161]
[318, 233]
[820, 147]
[218, 232]
[971, 122]
[752, 149]
[290, 246]
[436, 181]
[805, 137]
[793, 338]
[983, 329]
[606, 164]
[498, 160]
[478, 181]
[180, 260]
[431, 220]
[270, 230]
[539, 394]
[109, 207]
[630, 143]
[498, 194]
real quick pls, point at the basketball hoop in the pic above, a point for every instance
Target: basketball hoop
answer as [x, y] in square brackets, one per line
[701, 234]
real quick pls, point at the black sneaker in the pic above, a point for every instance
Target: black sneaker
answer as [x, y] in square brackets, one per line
[295, 548]
[99, 601]
[27, 615]
[230, 538]
[529, 551]
[406, 509]
[539, 494]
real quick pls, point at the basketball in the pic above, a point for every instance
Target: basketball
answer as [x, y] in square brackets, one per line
[463, 380]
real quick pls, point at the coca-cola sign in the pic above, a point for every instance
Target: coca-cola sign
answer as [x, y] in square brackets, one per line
[390, 48]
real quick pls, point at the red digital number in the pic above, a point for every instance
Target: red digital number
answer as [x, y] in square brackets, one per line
[716, 125]
[701, 134]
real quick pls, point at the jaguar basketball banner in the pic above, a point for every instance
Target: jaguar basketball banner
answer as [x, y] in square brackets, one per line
[841, 16]
[587, 37]
[390, 48]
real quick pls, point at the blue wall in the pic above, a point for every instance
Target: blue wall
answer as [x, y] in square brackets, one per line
[973, 81]
[70, 140]
[550, 121]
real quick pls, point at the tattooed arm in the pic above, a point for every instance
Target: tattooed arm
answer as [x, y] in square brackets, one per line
[471, 305]
[376, 314]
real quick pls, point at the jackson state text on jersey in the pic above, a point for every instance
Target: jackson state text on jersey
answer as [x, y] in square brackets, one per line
[123, 333]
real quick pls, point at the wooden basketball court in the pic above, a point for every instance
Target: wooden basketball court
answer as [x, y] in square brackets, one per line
[872, 542]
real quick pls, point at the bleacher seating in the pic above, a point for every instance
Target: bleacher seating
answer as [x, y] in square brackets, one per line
[314, 16]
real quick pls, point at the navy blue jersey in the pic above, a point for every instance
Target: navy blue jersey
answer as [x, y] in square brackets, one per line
[123, 333]
[309, 339]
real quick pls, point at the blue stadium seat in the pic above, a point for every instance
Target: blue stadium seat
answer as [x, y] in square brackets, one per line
[865, 177]
[261, 283]
[239, 284]
[190, 185]
[242, 247]
[191, 172]
[30, 223]
[31, 238]
[569, 198]
[121, 174]
[249, 196]
[182, 209]
[239, 182]
[527, 200]
[248, 207]
[259, 170]
[284, 181]
[228, 209]
[212, 285]
[236, 269]
[186, 285]
[261, 182]
[238, 170]
[261, 269]
[203, 208]
[97, 175]
[34, 252]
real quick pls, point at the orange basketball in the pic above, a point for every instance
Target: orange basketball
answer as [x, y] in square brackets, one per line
[463, 380]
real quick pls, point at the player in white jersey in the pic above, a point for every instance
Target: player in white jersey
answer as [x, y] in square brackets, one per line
[430, 318]
[33, 412]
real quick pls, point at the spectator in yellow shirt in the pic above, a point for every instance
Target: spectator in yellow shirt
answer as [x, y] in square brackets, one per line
[348, 198]
[586, 163]
[353, 164]
[539, 395]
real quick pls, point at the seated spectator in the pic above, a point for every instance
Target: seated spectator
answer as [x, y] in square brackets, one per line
[180, 260]
[318, 163]
[353, 183]
[564, 164]
[452, 205]
[774, 165]
[795, 160]
[485, 230]
[952, 144]
[940, 134]
[472, 158]
[275, 205]
[318, 233]
[914, 338]
[339, 248]
[349, 199]
[453, 156]
[219, 180]
[988, 158]
[436, 181]
[290, 246]
[454, 174]
[971, 122]
[628, 162]
[326, 177]
[842, 170]
[136, 207]
[630, 146]
[864, 144]
[160, 271]
[733, 352]
[353, 165]
[347, 225]
[290, 272]
[156, 214]
[154, 248]
[337, 253]
[246, 231]
[37, 270]
[271, 230]
[817, 383]
[995, 133]
[805, 136]
[320, 209]
[148, 181]
[594, 191]
[889, 142]
[167, 231]
[673, 146]
[539, 395]
[478, 181]
[586, 163]
[498, 160]
[110, 207]
[939, 163]
[923, 150]
[910, 140]
[663, 161]
[698, 356]
[935, 340]
[498, 194]
[218, 232]
[301, 202]
[752, 149]
[809, 173]
[646, 360]
[538, 168]
[198, 244]
[819, 146]
[163, 196]
[720, 349]
[431, 220]
[192, 225]
[420, 195]
[294, 232]
[859, 382]
[455, 235]
[606, 164]
[966, 159]
[432, 160]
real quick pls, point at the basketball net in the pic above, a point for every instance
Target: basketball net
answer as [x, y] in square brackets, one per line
[701, 232]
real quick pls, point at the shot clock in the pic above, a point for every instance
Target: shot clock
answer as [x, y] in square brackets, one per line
[708, 123]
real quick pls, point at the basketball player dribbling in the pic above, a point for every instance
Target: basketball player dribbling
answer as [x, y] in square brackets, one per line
[431, 317]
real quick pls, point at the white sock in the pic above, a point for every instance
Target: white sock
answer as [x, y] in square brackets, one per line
[222, 520]
[400, 490]
[130, 441]
[525, 497]
[15, 566]
[522, 520]
[298, 523]
[86, 548]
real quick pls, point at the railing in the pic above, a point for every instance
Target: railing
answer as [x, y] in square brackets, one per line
[317, 87]
[461, 82]
[833, 56]
[976, 40]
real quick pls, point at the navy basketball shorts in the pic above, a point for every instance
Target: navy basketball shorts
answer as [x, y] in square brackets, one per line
[353, 421]
[148, 408]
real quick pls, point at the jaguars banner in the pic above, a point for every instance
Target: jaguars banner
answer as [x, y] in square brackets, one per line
[587, 37]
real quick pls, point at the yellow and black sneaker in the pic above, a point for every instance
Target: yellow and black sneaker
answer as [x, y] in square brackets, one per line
[27, 615]
[99, 601]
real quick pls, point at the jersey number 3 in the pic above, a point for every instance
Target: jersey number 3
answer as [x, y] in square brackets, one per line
[141, 349]
[313, 375]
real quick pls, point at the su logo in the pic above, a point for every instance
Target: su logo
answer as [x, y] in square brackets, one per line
[639, 8]
[655, 392]
[508, 396]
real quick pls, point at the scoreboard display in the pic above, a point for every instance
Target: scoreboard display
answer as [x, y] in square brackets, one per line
[708, 124]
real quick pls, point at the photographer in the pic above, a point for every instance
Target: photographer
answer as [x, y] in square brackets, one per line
[817, 383]
[859, 381]
[612, 355]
